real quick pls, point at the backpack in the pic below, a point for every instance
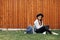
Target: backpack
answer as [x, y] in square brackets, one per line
[29, 30]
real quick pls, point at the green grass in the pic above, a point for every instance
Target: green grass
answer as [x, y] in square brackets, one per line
[19, 35]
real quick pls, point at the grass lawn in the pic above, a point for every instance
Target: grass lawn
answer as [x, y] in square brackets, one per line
[19, 35]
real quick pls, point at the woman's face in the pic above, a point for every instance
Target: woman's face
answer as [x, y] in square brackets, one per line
[40, 17]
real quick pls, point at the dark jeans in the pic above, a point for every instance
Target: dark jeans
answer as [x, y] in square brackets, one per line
[43, 29]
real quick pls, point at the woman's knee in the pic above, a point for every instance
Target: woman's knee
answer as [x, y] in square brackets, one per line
[46, 26]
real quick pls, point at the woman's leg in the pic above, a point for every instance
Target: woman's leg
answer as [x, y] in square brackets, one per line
[43, 29]
[40, 30]
[47, 29]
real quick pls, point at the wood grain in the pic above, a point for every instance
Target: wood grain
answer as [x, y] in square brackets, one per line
[21, 13]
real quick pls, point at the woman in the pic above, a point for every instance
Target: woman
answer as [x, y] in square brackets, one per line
[39, 26]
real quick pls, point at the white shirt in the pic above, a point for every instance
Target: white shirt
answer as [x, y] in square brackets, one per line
[36, 23]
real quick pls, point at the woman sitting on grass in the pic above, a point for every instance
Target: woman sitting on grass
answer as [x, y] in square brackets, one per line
[40, 28]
